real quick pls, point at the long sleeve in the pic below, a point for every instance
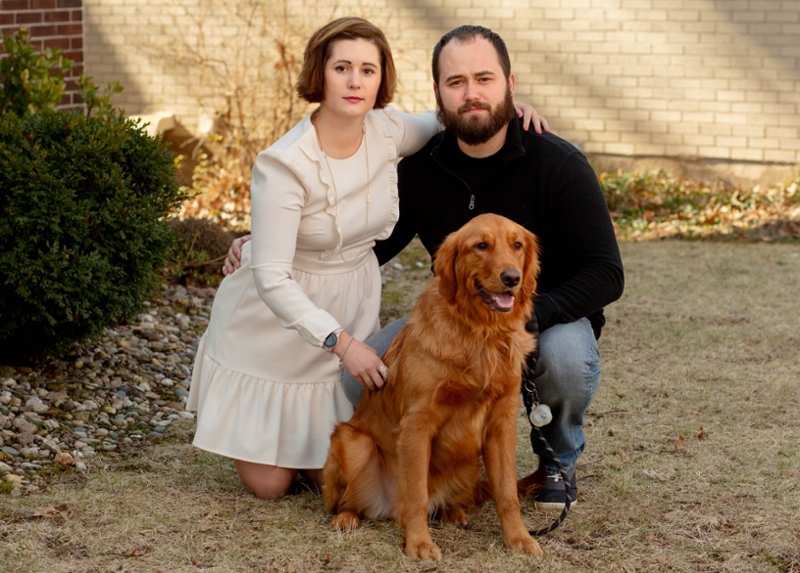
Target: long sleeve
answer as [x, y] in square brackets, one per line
[405, 229]
[278, 197]
[415, 129]
[583, 237]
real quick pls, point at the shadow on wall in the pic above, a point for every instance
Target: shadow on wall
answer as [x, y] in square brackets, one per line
[438, 20]
[131, 99]
[780, 48]
[738, 173]
[751, 40]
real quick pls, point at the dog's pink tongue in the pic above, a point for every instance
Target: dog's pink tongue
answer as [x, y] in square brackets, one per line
[504, 300]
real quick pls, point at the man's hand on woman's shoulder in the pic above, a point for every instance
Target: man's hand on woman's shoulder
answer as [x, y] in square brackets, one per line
[234, 259]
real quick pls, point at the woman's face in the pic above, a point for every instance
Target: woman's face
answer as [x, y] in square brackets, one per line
[352, 77]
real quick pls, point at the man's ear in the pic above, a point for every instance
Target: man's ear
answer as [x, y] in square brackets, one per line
[435, 88]
[511, 82]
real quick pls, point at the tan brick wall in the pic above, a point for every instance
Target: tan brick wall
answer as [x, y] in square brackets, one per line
[689, 81]
[52, 24]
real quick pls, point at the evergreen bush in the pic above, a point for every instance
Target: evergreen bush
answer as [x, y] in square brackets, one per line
[83, 202]
[30, 81]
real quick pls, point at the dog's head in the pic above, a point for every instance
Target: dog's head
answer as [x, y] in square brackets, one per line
[488, 266]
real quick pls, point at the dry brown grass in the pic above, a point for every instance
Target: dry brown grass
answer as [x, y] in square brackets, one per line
[692, 462]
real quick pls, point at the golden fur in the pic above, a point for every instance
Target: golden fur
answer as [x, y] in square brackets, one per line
[451, 397]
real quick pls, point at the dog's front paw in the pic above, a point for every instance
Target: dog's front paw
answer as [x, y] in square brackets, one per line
[425, 550]
[346, 521]
[525, 544]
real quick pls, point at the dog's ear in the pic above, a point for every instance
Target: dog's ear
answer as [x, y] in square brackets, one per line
[530, 272]
[444, 266]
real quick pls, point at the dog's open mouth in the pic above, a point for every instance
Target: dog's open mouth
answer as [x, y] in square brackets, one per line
[499, 301]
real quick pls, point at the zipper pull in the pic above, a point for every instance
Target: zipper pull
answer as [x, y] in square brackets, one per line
[472, 202]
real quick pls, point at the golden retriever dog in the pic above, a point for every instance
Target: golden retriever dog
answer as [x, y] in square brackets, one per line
[451, 397]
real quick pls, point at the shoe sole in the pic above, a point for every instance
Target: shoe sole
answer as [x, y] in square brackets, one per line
[542, 506]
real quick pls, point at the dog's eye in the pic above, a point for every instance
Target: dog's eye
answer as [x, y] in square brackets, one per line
[517, 245]
[482, 246]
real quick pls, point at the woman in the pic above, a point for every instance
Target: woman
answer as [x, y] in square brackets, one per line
[321, 196]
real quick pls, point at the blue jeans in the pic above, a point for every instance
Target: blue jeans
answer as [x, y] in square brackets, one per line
[380, 341]
[567, 375]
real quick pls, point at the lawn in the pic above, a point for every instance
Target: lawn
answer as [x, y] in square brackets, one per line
[692, 463]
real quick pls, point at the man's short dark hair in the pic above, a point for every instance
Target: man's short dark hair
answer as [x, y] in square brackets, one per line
[467, 34]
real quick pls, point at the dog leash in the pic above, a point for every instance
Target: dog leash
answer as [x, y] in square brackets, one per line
[530, 397]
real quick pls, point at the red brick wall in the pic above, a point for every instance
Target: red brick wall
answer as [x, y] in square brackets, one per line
[52, 24]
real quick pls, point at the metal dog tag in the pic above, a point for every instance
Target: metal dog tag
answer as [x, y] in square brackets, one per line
[541, 415]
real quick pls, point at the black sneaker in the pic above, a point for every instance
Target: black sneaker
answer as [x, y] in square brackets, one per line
[553, 494]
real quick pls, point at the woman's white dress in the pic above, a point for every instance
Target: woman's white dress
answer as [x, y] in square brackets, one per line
[264, 389]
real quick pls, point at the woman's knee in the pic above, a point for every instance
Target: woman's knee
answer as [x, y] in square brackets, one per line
[268, 492]
[266, 482]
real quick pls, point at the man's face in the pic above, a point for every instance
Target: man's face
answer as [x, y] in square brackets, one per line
[475, 101]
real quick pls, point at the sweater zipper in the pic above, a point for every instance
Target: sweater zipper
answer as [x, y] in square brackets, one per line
[472, 194]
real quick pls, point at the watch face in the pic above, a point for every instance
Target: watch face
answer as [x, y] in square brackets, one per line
[331, 341]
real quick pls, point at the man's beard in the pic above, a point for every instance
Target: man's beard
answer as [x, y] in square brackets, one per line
[475, 130]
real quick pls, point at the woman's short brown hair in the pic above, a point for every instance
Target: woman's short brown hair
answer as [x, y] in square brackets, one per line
[311, 81]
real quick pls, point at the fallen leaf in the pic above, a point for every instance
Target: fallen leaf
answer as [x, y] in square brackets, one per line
[679, 443]
[652, 474]
[213, 512]
[703, 434]
[42, 511]
[137, 552]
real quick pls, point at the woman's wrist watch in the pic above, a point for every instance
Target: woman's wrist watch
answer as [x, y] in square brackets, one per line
[332, 340]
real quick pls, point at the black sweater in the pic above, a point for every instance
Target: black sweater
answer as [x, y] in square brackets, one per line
[540, 181]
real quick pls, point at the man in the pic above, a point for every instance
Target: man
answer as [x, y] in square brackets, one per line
[483, 162]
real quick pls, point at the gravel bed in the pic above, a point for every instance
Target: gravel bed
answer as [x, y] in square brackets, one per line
[107, 398]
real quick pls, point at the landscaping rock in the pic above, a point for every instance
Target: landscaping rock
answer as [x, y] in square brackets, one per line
[131, 383]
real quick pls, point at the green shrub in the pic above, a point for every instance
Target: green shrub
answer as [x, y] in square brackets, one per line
[83, 202]
[200, 251]
[29, 81]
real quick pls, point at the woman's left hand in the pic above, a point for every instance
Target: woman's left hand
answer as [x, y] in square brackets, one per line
[529, 115]
[363, 363]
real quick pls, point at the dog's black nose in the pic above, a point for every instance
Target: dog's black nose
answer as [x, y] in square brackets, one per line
[510, 277]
